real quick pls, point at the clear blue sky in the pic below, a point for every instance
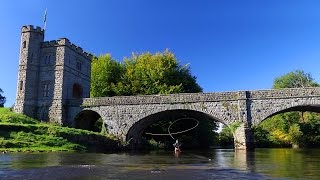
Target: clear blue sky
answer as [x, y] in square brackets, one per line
[230, 45]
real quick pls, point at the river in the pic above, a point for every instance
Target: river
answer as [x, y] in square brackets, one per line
[204, 164]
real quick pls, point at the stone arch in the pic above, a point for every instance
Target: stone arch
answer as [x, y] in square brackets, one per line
[214, 109]
[77, 91]
[86, 119]
[301, 108]
[136, 130]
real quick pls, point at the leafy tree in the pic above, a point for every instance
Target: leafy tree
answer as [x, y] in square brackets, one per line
[294, 79]
[290, 128]
[105, 72]
[158, 73]
[226, 136]
[295, 135]
[2, 98]
[146, 73]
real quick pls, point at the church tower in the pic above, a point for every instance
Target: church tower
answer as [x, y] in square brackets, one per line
[30, 49]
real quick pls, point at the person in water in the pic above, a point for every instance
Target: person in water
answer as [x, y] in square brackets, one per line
[176, 146]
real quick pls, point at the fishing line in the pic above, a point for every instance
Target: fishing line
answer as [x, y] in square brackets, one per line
[179, 132]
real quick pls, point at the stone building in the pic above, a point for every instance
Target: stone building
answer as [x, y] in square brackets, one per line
[50, 73]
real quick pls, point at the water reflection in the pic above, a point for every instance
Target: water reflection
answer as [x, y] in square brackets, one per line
[244, 160]
[211, 164]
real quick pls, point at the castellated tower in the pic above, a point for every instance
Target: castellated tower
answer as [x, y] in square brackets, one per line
[51, 73]
[26, 98]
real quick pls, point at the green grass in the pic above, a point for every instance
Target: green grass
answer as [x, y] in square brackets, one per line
[20, 133]
[7, 116]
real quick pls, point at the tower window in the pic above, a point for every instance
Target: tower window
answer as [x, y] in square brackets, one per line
[79, 66]
[24, 44]
[46, 89]
[47, 59]
[21, 85]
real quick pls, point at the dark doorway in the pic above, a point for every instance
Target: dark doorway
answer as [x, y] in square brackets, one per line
[77, 91]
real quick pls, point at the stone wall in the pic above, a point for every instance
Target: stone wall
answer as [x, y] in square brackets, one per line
[47, 72]
[28, 76]
[264, 104]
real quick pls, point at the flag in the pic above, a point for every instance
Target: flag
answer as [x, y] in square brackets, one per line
[45, 16]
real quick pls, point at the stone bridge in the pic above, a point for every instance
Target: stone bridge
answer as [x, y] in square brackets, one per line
[127, 116]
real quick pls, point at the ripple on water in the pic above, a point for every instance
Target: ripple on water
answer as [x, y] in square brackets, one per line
[91, 171]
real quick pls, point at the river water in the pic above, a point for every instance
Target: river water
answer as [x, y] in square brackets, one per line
[200, 164]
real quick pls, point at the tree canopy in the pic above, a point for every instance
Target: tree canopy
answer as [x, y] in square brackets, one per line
[290, 128]
[294, 79]
[141, 74]
[105, 73]
[2, 98]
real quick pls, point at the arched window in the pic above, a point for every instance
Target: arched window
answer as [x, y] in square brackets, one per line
[77, 91]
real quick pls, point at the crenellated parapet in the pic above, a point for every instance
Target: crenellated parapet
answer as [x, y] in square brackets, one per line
[66, 42]
[31, 28]
[50, 73]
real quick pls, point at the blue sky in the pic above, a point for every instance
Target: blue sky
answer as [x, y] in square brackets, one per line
[230, 45]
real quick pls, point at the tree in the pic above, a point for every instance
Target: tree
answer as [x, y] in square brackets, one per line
[291, 128]
[141, 74]
[2, 98]
[157, 73]
[294, 79]
[105, 72]
[226, 136]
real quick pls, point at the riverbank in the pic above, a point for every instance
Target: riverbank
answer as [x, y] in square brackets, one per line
[20, 133]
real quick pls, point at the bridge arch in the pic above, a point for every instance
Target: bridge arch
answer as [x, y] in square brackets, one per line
[300, 108]
[87, 120]
[282, 106]
[216, 110]
[136, 131]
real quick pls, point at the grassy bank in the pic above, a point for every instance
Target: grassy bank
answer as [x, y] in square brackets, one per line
[19, 133]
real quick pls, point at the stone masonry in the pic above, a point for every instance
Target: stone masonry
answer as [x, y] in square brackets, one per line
[127, 116]
[54, 83]
[50, 73]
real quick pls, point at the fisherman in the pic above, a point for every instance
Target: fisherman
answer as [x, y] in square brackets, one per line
[176, 146]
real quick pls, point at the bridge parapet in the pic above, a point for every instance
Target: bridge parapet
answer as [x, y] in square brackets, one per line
[164, 99]
[199, 97]
[285, 93]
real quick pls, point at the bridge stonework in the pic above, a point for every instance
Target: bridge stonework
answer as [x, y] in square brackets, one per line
[123, 115]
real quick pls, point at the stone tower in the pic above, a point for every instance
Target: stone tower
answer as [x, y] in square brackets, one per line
[51, 73]
[26, 97]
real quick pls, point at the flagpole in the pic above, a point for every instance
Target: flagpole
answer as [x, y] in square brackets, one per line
[45, 20]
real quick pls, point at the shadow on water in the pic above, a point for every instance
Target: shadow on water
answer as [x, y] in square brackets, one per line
[209, 164]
